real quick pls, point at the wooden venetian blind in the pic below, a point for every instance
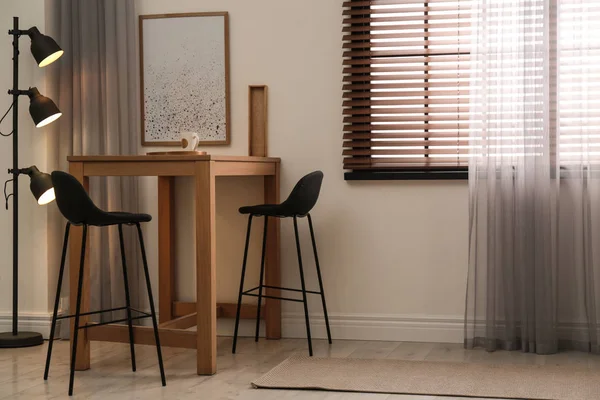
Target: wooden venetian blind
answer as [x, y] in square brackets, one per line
[406, 84]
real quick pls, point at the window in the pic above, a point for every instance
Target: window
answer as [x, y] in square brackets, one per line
[406, 88]
[407, 85]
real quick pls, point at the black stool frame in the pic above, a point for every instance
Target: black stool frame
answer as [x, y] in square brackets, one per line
[261, 285]
[127, 307]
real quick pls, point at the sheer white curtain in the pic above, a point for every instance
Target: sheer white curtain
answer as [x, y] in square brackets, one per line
[534, 176]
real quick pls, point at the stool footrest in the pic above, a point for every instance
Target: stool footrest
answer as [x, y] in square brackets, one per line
[141, 312]
[274, 297]
[144, 314]
[113, 322]
[278, 288]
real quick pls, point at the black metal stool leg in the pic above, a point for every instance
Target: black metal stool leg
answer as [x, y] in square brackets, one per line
[262, 274]
[239, 305]
[77, 310]
[310, 351]
[314, 245]
[57, 299]
[151, 299]
[127, 298]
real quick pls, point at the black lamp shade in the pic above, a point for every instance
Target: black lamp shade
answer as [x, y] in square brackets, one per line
[41, 186]
[44, 49]
[42, 109]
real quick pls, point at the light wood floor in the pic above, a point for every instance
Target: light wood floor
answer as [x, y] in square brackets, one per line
[110, 377]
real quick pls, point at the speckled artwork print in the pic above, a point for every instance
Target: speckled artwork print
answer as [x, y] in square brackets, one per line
[184, 78]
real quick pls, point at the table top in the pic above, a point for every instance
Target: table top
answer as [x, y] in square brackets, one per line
[206, 157]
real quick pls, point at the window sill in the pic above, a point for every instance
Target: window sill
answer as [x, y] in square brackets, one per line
[406, 175]
[443, 175]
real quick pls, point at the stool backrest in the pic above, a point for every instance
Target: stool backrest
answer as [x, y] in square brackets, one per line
[72, 199]
[305, 194]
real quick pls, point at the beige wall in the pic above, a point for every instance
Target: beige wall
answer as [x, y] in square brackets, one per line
[394, 254]
[33, 276]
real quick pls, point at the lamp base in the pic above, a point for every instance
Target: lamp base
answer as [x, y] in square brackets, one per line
[21, 339]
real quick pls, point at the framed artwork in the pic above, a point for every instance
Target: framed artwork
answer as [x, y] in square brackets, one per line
[184, 78]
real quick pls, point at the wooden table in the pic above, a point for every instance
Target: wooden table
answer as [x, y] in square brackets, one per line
[176, 316]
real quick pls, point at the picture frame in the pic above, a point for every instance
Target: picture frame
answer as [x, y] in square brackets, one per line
[184, 78]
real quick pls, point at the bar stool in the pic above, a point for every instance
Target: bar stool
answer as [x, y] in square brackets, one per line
[298, 205]
[76, 206]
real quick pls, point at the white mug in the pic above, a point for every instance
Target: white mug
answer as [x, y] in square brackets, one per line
[189, 141]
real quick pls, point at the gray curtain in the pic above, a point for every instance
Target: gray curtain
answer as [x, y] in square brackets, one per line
[534, 183]
[95, 86]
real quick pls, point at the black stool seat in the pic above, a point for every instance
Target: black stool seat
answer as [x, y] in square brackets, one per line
[298, 204]
[104, 218]
[78, 208]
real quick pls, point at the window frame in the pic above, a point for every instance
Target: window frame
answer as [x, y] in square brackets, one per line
[417, 173]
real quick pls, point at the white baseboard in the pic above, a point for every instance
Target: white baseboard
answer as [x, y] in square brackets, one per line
[403, 328]
[28, 321]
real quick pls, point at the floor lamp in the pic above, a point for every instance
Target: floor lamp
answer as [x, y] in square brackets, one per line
[43, 111]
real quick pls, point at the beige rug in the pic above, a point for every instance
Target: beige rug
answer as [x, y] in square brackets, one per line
[434, 378]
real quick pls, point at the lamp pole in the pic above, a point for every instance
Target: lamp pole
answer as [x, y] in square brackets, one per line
[15, 172]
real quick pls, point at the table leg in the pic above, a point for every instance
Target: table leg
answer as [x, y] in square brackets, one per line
[166, 247]
[83, 343]
[206, 279]
[273, 271]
